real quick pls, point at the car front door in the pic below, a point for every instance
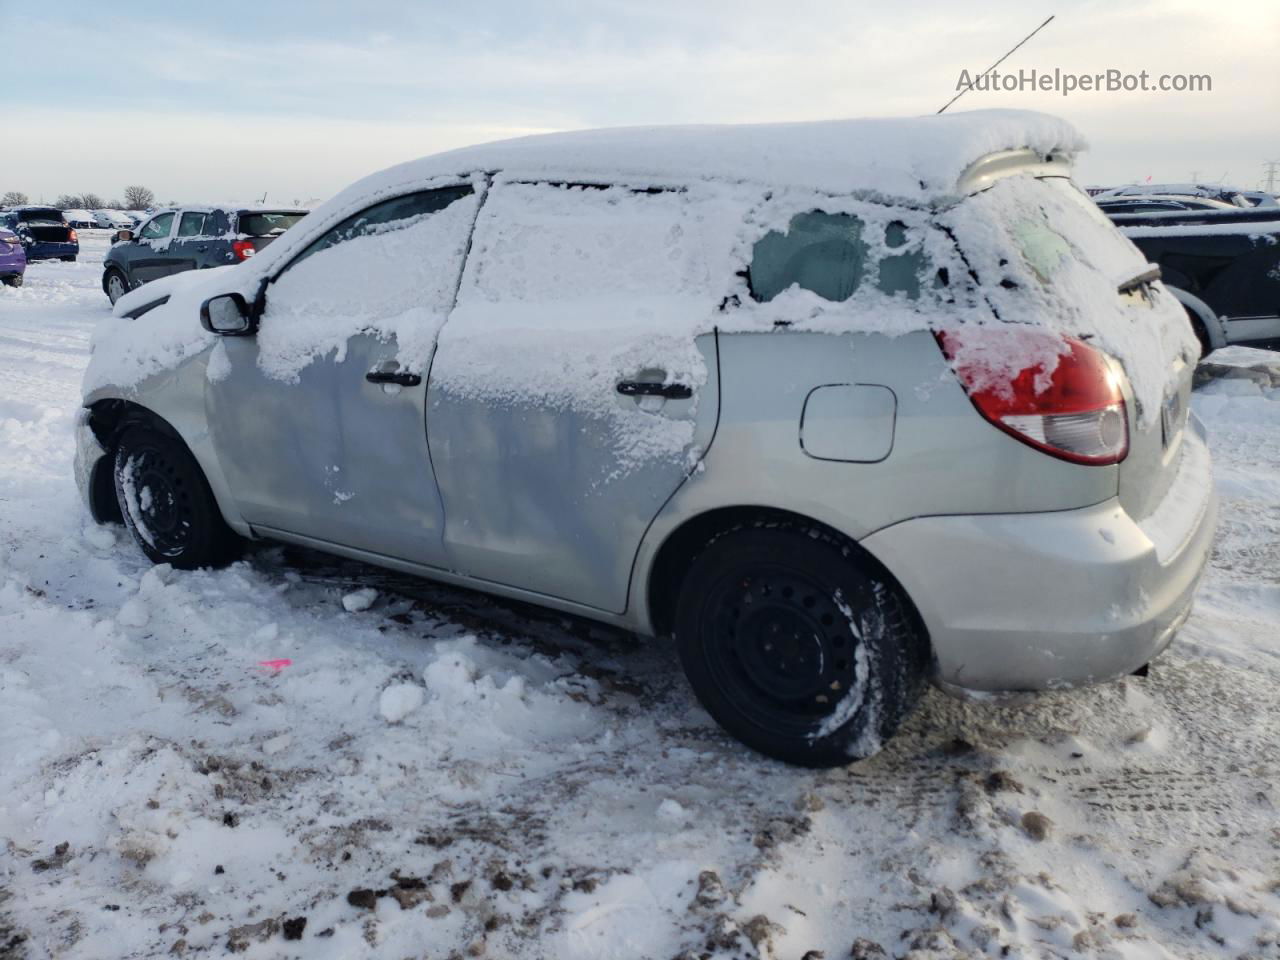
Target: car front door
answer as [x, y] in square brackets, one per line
[575, 383]
[148, 257]
[318, 420]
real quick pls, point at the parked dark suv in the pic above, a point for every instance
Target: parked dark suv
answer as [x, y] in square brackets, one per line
[1224, 267]
[171, 241]
[43, 232]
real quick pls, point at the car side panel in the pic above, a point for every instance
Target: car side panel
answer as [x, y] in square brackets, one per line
[944, 459]
[177, 396]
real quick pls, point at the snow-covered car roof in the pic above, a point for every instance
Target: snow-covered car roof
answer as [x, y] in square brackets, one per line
[914, 158]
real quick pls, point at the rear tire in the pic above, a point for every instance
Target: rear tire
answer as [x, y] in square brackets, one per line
[67, 259]
[796, 647]
[14, 280]
[166, 502]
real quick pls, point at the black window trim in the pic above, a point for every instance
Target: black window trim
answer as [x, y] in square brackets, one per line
[464, 180]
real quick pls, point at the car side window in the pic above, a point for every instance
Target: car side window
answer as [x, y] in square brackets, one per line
[217, 223]
[158, 227]
[191, 225]
[395, 214]
[832, 255]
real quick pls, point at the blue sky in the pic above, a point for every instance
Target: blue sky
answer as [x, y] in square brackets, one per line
[233, 99]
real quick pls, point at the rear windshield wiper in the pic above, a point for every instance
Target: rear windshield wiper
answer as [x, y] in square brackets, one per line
[1149, 275]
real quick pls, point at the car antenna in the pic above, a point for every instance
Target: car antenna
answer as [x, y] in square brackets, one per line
[1000, 61]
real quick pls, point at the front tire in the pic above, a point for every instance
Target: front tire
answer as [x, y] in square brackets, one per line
[796, 647]
[167, 504]
[14, 280]
[68, 259]
[116, 286]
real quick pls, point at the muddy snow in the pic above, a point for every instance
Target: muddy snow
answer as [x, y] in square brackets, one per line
[300, 757]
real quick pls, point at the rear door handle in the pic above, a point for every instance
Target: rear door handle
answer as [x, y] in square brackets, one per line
[647, 388]
[398, 377]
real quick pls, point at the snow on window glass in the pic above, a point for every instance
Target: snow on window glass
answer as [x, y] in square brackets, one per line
[571, 289]
[390, 270]
[811, 261]
[827, 254]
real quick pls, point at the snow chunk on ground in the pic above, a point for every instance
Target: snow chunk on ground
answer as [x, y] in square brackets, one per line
[358, 600]
[400, 700]
[133, 613]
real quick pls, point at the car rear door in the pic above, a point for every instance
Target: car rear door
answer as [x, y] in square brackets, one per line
[319, 421]
[190, 242]
[575, 383]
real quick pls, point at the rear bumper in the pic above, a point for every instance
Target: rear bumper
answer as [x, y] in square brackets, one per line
[1021, 602]
[12, 266]
[42, 250]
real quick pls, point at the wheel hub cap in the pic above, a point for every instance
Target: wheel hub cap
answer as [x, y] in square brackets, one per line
[782, 652]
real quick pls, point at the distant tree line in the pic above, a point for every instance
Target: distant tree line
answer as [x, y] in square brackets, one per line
[135, 198]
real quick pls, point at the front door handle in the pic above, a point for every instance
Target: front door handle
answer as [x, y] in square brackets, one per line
[647, 388]
[398, 377]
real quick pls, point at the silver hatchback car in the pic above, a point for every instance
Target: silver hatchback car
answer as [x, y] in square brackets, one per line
[844, 407]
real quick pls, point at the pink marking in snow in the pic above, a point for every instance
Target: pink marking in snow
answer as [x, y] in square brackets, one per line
[276, 665]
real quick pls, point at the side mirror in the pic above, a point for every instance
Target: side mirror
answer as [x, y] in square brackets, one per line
[228, 315]
[123, 236]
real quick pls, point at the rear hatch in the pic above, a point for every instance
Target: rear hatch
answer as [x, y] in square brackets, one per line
[1045, 255]
[260, 227]
[45, 226]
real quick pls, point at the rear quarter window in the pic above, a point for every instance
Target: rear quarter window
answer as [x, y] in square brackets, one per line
[835, 254]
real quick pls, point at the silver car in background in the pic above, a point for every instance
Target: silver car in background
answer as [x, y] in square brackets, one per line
[843, 407]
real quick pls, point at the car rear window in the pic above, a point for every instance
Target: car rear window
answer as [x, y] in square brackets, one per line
[267, 224]
[832, 255]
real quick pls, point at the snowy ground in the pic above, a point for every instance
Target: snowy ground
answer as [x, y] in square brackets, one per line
[551, 789]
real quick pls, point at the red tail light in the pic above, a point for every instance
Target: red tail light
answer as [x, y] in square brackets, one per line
[1072, 409]
[74, 237]
[243, 249]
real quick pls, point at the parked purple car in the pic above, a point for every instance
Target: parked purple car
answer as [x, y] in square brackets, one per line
[13, 259]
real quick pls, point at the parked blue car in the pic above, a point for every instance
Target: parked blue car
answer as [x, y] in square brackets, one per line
[43, 232]
[13, 259]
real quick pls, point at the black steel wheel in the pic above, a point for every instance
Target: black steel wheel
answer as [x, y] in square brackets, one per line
[795, 647]
[166, 502]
